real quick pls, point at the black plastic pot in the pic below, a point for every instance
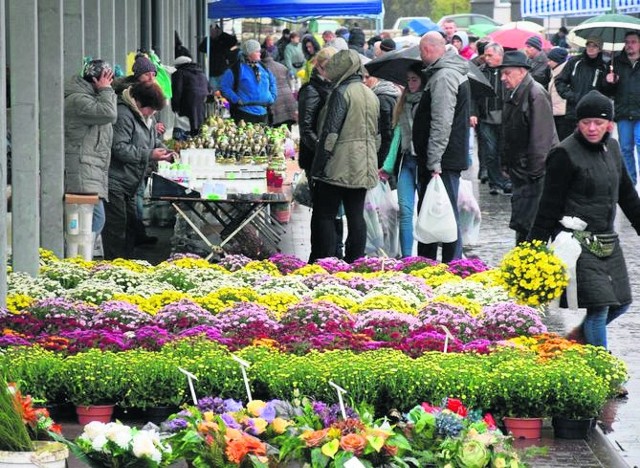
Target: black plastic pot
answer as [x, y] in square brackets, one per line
[564, 428]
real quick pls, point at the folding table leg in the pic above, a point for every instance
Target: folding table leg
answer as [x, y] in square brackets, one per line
[215, 249]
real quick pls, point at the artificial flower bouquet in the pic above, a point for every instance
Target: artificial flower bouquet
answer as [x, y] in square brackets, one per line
[321, 437]
[452, 435]
[115, 445]
[533, 274]
[224, 433]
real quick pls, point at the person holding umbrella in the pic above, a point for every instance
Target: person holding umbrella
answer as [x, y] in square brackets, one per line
[401, 160]
[623, 83]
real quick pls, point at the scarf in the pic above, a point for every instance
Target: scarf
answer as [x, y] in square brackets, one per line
[255, 68]
[406, 120]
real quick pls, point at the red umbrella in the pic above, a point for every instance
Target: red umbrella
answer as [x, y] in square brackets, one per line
[515, 38]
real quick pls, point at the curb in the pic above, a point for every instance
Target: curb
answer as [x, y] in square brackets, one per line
[605, 450]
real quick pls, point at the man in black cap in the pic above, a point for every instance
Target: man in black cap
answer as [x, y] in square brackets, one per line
[529, 133]
[222, 49]
[538, 60]
[586, 179]
[581, 74]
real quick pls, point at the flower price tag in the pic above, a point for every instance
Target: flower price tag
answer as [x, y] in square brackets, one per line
[447, 337]
[190, 379]
[244, 365]
[340, 391]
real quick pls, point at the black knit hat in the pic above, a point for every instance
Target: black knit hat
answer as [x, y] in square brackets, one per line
[387, 45]
[594, 105]
[535, 42]
[142, 65]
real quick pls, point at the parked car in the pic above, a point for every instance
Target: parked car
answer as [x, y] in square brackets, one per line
[463, 21]
[404, 21]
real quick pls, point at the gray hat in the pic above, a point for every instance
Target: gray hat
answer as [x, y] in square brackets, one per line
[143, 65]
[250, 46]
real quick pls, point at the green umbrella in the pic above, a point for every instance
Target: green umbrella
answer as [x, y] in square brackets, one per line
[482, 30]
[611, 28]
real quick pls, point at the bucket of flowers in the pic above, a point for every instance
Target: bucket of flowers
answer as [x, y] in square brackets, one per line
[114, 445]
[24, 432]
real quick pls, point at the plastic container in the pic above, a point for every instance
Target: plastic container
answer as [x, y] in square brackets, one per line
[78, 224]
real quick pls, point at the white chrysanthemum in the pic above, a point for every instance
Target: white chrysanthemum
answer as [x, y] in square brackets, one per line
[143, 446]
[99, 442]
[94, 429]
[119, 434]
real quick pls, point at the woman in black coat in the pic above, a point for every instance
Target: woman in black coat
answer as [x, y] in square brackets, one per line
[190, 89]
[587, 179]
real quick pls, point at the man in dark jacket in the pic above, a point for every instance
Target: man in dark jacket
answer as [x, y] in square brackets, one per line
[529, 133]
[190, 89]
[489, 110]
[623, 83]
[222, 49]
[135, 143]
[586, 179]
[441, 129]
[581, 74]
[540, 70]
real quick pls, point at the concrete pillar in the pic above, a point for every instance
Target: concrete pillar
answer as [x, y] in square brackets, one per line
[51, 95]
[73, 36]
[92, 28]
[107, 30]
[122, 32]
[3, 159]
[146, 21]
[133, 26]
[25, 109]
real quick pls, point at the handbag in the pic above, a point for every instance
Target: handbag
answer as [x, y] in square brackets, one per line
[436, 220]
[302, 191]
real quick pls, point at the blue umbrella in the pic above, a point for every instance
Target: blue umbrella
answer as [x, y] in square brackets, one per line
[423, 26]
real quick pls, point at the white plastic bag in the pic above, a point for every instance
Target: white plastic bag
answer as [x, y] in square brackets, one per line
[469, 215]
[568, 249]
[381, 217]
[436, 220]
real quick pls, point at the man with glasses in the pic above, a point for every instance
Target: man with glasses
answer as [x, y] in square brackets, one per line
[581, 74]
[623, 83]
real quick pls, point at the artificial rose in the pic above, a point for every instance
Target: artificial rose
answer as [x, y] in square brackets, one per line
[490, 421]
[354, 443]
[313, 438]
[428, 408]
[255, 407]
[473, 454]
[236, 450]
[454, 405]
[390, 450]
[280, 425]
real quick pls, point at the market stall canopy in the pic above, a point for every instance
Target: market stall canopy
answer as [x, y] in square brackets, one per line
[291, 8]
[544, 8]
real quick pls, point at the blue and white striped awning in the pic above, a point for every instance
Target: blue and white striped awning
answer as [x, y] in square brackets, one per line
[543, 8]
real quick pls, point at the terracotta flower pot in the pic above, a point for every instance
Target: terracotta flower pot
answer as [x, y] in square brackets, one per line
[100, 413]
[524, 428]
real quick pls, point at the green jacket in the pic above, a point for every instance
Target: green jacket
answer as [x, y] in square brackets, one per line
[346, 153]
[88, 132]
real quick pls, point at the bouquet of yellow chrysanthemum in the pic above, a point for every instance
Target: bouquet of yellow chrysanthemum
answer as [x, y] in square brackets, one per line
[532, 274]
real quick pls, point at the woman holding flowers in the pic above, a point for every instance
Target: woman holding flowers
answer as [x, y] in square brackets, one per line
[586, 179]
[402, 160]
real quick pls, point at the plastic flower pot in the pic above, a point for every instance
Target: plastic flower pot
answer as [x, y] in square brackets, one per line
[46, 455]
[100, 413]
[524, 428]
[564, 428]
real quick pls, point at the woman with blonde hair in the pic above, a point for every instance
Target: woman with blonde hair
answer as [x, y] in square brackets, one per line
[401, 160]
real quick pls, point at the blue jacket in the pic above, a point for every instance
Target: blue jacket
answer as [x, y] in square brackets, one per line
[250, 94]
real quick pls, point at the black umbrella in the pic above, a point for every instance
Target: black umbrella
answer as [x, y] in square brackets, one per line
[393, 66]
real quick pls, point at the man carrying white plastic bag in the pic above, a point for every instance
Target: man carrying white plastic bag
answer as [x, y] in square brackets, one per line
[436, 220]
